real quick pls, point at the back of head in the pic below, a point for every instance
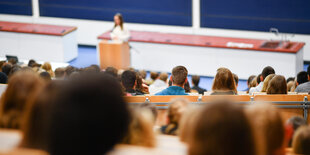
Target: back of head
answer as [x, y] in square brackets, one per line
[89, 117]
[128, 79]
[22, 87]
[254, 82]
[3, 78]
[277, 85]
[224, 81]
[302, 77]
[69, 70]
[47, 66]
[143, 74]
[112, 71]
[266, 82]
[195, 80]
[266, 71]
[222, 128]
[163, 77]
[6, 68]
[250, 79]
[154, 75]
[46, 76]
[236, 78]
[59, 72]
[15, 68]
[269, 128]
[31, 62]
[258, 79]
[295, 122]
[179, 75]
[301, 141]
[290, 79]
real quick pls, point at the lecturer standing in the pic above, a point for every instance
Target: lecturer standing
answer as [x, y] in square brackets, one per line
[119, 32]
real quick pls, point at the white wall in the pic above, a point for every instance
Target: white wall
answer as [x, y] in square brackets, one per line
[89, 30]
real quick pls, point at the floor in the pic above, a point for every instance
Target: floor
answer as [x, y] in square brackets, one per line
[88, 55]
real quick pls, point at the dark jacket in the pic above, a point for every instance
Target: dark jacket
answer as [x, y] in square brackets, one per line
[199, 89]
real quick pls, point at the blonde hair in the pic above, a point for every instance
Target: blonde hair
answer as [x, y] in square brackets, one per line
[48, 68]
[268, 127]
[187, 122]
[266, 82]
[140, 130]
[301, 141]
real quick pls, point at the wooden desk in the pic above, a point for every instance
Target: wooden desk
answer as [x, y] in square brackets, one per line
[114, 54]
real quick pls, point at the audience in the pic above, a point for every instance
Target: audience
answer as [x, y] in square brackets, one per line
[301, 141]
[6, 68]
[291, 86]
[294, 123]
[140, 86]
[260, 79]
[266, 82]
[175, 111]
[48, 68]
[224, 83]
[79, 125]
[154, 76]
[195, 83]
[268, 127]
[159, 84]
[112, 71]
[222, 129]
[60, 73]
[22, 87]
[277, 85]
[46, 76]
[305, 87]
[178, 79]
[129, 82]
[249, 81]
[3, 78]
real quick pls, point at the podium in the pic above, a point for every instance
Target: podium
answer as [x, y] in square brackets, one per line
[114, 54]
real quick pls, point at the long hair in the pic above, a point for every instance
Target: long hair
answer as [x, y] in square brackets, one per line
[224, 80]
[121, 21]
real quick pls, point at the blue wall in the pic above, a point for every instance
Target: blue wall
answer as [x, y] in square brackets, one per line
[17, 7]
[166, 12]
[291, 16]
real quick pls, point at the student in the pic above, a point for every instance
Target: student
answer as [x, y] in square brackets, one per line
[23, 86]
[129, 81]
[159, 84]
[224, 83]
[266, 71]
[153, 77]
[176, 109]
[269, 129]
[48, 68]
[46, 76]
[266, 82]
[195, 83]
[277, 85]
[236, 78]
[6, 68]
[301, 141]
[294, 123]
[119, 32]
[60, 73]
[222, 128]
[178, 78]
[89, 117]
[305, 87]
[3, 78]
[140, 86]
[302, 77]
[112, 71]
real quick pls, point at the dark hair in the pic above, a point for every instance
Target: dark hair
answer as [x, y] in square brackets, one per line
[187, 87]
[112, 71]
[45, 76]
[195, 80]
[222, 128]
[6, 68]
[302, 77]
[267, 70]
[14, 69]
[308, 70]
[179, 75]
[12, 61]
[154, 75]
[236, 78]
[290, 79]
[143, 74]
[89, 117]
[128, 79]
[277, 85]
[258, 80]
[69, 70]
[251, 78]
[59, 72]
[31, 62]
[224, 81]
[3, 78]
[121, 20]
[296, 122]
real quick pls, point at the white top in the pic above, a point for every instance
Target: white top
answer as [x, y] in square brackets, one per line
[122, 35]
[157, 86]
[258, 88]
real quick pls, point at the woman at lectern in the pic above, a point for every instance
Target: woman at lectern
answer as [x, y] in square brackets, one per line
[119, 32]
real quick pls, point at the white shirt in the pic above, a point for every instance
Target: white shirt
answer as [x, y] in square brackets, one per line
[122, 35]
[258, 88]
[157, 86]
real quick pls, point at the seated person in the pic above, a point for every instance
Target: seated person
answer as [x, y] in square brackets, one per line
[178, 78]
[195, 83]
[159, 84]
[304, 87]
[294, 123]
[277, 85]
[266, 71]
[224, 83]
[129, 81]
[301, 141]
[249, 81]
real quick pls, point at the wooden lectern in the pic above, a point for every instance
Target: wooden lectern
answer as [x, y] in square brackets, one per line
[114, 54]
